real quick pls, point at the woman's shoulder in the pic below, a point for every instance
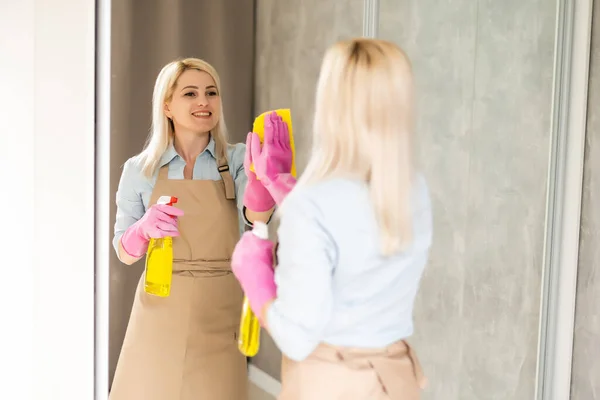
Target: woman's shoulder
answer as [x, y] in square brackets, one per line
[235, 154]
[341, 195]
[322, 197]
[332, 190]
[133, 168]
[134, 164]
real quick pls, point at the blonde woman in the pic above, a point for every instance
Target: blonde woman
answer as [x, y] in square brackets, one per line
[354, 237]
[184, 346]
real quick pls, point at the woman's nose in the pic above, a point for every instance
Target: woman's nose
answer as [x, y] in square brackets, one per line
[202, 100]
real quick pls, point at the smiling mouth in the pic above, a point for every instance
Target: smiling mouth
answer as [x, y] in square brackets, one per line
[202, 114]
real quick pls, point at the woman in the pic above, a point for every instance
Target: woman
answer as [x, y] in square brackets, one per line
[354, 236]
[184, 346]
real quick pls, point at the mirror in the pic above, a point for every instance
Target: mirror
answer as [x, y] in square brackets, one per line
[484, 75]
[145, 37]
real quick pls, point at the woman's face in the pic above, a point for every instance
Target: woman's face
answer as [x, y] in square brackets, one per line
[196, 105]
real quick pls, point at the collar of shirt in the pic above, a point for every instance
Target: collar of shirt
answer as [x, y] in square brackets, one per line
[171, 153]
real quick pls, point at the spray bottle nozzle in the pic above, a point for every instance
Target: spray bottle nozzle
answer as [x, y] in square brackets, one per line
[167, 200]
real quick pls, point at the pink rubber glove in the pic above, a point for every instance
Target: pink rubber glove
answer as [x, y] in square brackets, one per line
[159, 221]
[256, 196]
[252, 265]
[273, 163]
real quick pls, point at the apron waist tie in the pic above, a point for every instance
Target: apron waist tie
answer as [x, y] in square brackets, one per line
[202, 267]
[380, 360]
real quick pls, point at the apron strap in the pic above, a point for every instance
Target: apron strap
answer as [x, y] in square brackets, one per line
[228, 181]
[223, 167]
[163, 172]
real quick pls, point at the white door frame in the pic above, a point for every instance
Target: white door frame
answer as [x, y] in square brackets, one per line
[563, 208]
[103, 195]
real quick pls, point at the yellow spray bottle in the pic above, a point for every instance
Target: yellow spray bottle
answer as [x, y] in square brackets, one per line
[159, 261]
[249, 337]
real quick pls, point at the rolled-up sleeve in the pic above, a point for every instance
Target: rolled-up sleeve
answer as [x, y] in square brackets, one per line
[306, 259]
[130, 206]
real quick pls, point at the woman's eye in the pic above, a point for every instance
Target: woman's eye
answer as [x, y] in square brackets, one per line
[190, 94]
[213, 93]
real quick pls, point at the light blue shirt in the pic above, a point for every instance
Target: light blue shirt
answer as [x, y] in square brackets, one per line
[133, 194]
[333, 284]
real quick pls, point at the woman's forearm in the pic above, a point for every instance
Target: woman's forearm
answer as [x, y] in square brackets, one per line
[265, 312]
[253, 216]
[126, 258]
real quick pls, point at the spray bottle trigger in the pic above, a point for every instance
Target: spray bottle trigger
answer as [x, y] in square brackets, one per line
[167, 200]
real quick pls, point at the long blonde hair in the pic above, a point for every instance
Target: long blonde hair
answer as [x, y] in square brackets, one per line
[363, 125]
[162, 131]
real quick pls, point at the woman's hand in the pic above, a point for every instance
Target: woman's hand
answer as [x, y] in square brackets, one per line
[159, 221]
[256, 197]
[252, 265]
[273, 162]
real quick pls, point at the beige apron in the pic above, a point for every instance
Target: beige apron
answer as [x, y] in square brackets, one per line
[184, 347]
[338, 373]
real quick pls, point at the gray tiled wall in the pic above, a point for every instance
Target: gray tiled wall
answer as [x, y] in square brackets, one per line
[484, 74]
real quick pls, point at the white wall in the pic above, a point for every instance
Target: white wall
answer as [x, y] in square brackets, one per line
[47, 229]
